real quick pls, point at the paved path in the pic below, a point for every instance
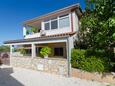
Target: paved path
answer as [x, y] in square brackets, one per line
[23, 77]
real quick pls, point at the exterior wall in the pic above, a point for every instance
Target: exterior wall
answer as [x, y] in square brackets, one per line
[101, 77]
[75, 22]
[50, 65]
[73, 25]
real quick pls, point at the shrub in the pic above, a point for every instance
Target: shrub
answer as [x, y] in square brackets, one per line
[89, 62]
[78, 55]
[45, 51]
[4, 48]
[92, 64]
[22, 51]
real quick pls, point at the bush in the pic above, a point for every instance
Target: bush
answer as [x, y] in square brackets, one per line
[81, 60]
[92, 64]
[45, 51]
[22, 51]
[77, 56]
[4, 48]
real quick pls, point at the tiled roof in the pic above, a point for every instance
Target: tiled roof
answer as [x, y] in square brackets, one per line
[48, 37]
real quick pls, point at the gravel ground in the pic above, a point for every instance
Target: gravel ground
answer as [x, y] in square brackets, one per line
[24, 77]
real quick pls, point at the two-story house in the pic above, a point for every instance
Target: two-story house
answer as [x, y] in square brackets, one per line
[57, 30]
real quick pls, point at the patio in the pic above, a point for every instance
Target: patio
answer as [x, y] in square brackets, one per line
[23, 77]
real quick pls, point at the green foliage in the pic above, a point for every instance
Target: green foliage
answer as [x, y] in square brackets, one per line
[92, 64]
[28, 31]
[89, 61]
[32, 29]
[97, 32]
[22, 51]
[4, 48]
[98, 24]
[114, 35]
[77, 56]
[45, 51]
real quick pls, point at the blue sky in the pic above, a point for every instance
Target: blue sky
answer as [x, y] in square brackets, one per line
[14, 12]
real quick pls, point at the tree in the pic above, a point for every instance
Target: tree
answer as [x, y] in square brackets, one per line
[4, 48]
[98, 25]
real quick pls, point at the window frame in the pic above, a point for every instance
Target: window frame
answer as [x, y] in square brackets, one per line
[63, 17]
[58, 18]
[57, 24]
[46, 23]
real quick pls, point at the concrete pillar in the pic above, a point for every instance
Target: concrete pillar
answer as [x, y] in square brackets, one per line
[33, 47]
[11, 50]
[69, 47]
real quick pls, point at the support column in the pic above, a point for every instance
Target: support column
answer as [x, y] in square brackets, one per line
[33, 47]
[69, 47]
[11, 50]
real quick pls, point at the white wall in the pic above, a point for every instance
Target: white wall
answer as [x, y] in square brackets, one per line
[59, 30]
[32, 35]
[75, 22]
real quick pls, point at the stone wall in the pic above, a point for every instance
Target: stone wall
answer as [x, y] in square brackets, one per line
[50, 65]
[102, 77]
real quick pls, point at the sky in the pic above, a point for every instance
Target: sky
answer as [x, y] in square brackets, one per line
[14, 12]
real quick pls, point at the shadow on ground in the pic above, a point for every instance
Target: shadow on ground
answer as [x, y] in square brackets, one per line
[6, 79]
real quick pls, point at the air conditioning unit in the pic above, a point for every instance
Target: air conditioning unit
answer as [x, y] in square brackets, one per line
[42, 33]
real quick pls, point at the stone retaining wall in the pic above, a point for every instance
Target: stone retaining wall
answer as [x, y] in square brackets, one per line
[50, 65]
[102, 77]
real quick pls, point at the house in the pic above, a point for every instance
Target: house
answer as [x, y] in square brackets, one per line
[57, 29]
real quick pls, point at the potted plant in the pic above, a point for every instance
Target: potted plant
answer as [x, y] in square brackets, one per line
[45, 51]
[22, 51]
[31, 30]
[34, 29]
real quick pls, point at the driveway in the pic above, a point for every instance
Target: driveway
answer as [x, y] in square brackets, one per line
[24, 77]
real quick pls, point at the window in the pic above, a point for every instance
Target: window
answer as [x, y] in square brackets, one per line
[47, 26]
[54, 24]
[58, 51]
[64, 22]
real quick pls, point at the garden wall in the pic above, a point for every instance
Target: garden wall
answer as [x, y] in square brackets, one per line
[50, 65]
[102, 77]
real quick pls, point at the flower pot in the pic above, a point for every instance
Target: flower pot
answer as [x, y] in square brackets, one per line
[46, 56]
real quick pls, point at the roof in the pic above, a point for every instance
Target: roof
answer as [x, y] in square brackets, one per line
[42, 38]
[71, 7]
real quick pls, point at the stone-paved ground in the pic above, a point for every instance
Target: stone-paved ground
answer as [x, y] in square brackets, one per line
[23, 77]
